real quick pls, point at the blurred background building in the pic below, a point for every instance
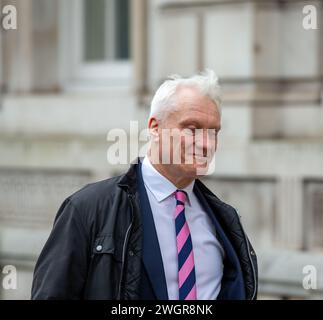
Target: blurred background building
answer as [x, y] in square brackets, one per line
[74, 69]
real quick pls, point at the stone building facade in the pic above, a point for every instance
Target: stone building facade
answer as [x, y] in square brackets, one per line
[73, 70]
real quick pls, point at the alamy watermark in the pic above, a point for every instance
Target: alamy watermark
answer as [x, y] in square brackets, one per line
[310, 18]
[9, 280]
[191, 147]
[310, 278]
[8, 17]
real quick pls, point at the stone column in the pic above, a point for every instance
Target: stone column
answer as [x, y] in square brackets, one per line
[289, 220]
[30, 53]
[139, 47]
[45, 45]
[18, 50]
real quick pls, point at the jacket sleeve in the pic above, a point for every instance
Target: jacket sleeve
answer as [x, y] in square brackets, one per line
[61, 268]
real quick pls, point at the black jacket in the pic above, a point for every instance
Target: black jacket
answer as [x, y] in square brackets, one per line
[94, 248]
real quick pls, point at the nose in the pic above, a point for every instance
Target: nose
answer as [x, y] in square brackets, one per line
[205, 143]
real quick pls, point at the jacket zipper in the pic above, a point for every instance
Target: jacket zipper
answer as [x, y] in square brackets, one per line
[124, 247]
[249, 255]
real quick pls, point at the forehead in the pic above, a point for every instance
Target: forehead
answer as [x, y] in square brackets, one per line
[193, 106]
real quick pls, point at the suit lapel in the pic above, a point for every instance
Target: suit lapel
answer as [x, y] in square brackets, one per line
[233, 288]
[152, 258]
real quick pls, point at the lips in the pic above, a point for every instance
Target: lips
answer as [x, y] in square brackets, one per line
[199, 156]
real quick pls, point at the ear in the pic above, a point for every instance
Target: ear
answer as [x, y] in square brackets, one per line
[153, 126]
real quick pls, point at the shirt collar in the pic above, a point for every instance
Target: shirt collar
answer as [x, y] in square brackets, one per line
[159, 185]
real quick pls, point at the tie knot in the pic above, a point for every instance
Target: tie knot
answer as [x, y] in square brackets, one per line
[180, 195]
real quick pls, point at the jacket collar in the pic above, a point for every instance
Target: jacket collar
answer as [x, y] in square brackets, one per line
[128, 181]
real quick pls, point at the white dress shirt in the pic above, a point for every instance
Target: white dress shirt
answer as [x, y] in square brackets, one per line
[208, 252]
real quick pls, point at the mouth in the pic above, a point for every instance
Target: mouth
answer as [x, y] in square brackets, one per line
[200, 158]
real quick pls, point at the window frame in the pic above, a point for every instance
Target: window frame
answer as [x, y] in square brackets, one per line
[74, 72]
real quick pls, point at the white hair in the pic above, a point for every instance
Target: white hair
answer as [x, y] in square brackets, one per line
[163, 100]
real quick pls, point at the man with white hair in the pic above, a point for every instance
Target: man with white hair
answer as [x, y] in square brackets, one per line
[155, 232]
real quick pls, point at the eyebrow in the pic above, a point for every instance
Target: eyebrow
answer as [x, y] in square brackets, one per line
[197, 124]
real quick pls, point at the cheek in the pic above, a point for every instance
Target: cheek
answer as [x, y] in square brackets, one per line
[212, 143]
[187, 146]
[215, 143]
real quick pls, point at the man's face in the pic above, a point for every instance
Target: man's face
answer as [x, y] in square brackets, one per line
[188, 135]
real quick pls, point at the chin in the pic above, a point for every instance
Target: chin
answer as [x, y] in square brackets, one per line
[190, 170]
[200, 168]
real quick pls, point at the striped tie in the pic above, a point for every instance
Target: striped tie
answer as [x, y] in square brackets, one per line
[186, 269]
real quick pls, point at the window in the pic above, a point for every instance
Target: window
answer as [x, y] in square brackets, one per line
[95, 43]
[106, 30]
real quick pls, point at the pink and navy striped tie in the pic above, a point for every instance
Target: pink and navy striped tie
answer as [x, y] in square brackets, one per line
[186, 268]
